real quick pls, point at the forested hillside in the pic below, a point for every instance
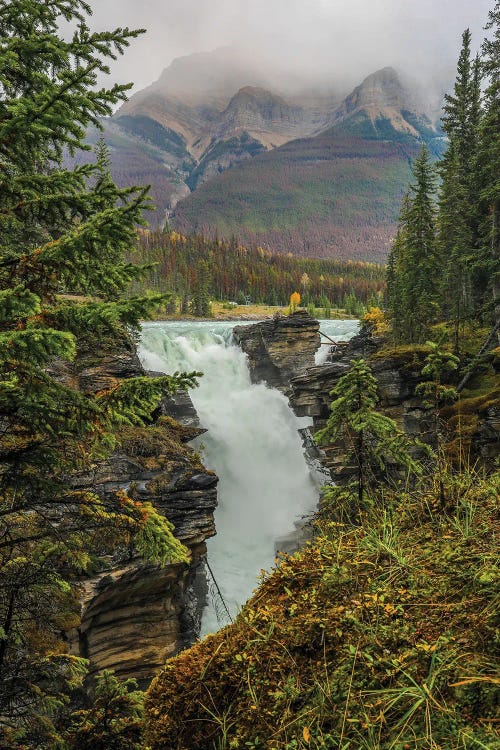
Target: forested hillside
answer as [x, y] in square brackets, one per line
[331, 196]
[195, 266]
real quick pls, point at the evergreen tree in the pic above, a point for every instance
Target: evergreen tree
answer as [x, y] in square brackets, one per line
[185, 304]
[64, 233]
[200, 303]
[394, 296]
[272, 299]
[111, 718]
[487, 264]
[455, 244]
[436, 394]
[458, 208]
[414, 294]
[460, 112]
[371, 440]
[476, 113]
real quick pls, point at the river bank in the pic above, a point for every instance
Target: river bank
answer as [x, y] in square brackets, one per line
[222, 312]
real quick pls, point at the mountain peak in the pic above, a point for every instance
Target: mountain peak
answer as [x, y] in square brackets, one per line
[256, 110]
[384, 74]
[382, 102]
[379, 90]
[257, 95]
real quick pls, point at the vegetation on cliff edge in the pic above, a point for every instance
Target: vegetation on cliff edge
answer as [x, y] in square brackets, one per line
[377, 635]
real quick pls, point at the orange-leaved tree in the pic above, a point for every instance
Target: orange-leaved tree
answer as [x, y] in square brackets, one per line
[294, 301]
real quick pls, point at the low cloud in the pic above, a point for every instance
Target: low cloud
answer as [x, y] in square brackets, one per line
[333, 42]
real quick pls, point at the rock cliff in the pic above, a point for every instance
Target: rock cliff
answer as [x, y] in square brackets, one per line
[135, 615]
[281, 353]
[280, 349]
[398, 372]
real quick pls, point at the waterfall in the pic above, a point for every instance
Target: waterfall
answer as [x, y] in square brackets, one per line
[252, 444]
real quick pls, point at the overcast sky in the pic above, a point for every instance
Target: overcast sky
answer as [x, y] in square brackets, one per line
[339, 39]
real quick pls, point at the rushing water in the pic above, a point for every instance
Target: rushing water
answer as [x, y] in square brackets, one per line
[252, 443]
[337, 330]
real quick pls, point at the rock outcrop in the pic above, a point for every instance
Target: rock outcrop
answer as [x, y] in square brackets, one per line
[398, 372]
[280, 349]
[133, 616]
[254, 110]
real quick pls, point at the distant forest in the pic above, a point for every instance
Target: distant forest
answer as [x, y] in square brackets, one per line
[193, 267]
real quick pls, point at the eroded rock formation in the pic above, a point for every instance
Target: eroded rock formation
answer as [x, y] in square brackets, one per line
[398, 372]
[135, 615]
[280, 349]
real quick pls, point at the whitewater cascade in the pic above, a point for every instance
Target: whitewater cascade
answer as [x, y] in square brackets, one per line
[252, 444]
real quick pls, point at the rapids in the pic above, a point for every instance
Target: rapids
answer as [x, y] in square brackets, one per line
[252, 444]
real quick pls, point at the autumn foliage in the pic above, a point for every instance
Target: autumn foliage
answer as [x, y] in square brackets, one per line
[229, 270]
[294, 300]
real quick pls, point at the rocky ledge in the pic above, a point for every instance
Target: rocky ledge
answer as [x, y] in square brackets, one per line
[280, 349]
[398, 372]
[133, 616]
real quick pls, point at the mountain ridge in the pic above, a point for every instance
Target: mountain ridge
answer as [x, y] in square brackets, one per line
[203, 118]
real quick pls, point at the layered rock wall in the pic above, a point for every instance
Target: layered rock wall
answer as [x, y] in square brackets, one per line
[281, 353]
[136, 615]
[398, 374]
[280, 349]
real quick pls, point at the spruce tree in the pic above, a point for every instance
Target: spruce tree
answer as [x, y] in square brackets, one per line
[458, 209]
[487, 263]
[394, 294]
[455, 244]
[200, 303]
[370, 439]
[414, 293]
[64, 233]
[459, 118]
[437, 394]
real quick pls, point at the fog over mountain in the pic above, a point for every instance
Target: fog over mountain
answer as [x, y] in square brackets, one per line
[288, 123]
[298, 43]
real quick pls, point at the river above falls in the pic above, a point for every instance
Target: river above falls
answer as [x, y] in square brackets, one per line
[252, 444]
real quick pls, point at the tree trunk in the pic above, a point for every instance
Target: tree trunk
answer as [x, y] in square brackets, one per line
[6, 628]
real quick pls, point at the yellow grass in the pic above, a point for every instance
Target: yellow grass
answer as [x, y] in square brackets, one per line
[248, 312]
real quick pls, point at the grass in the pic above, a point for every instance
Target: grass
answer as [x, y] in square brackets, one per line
[378, 636]
[220, 311]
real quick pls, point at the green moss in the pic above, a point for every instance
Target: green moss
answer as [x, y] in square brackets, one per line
[160, 446]
[474, 405]
[404, 353]
[407, 357]
[380, 636]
